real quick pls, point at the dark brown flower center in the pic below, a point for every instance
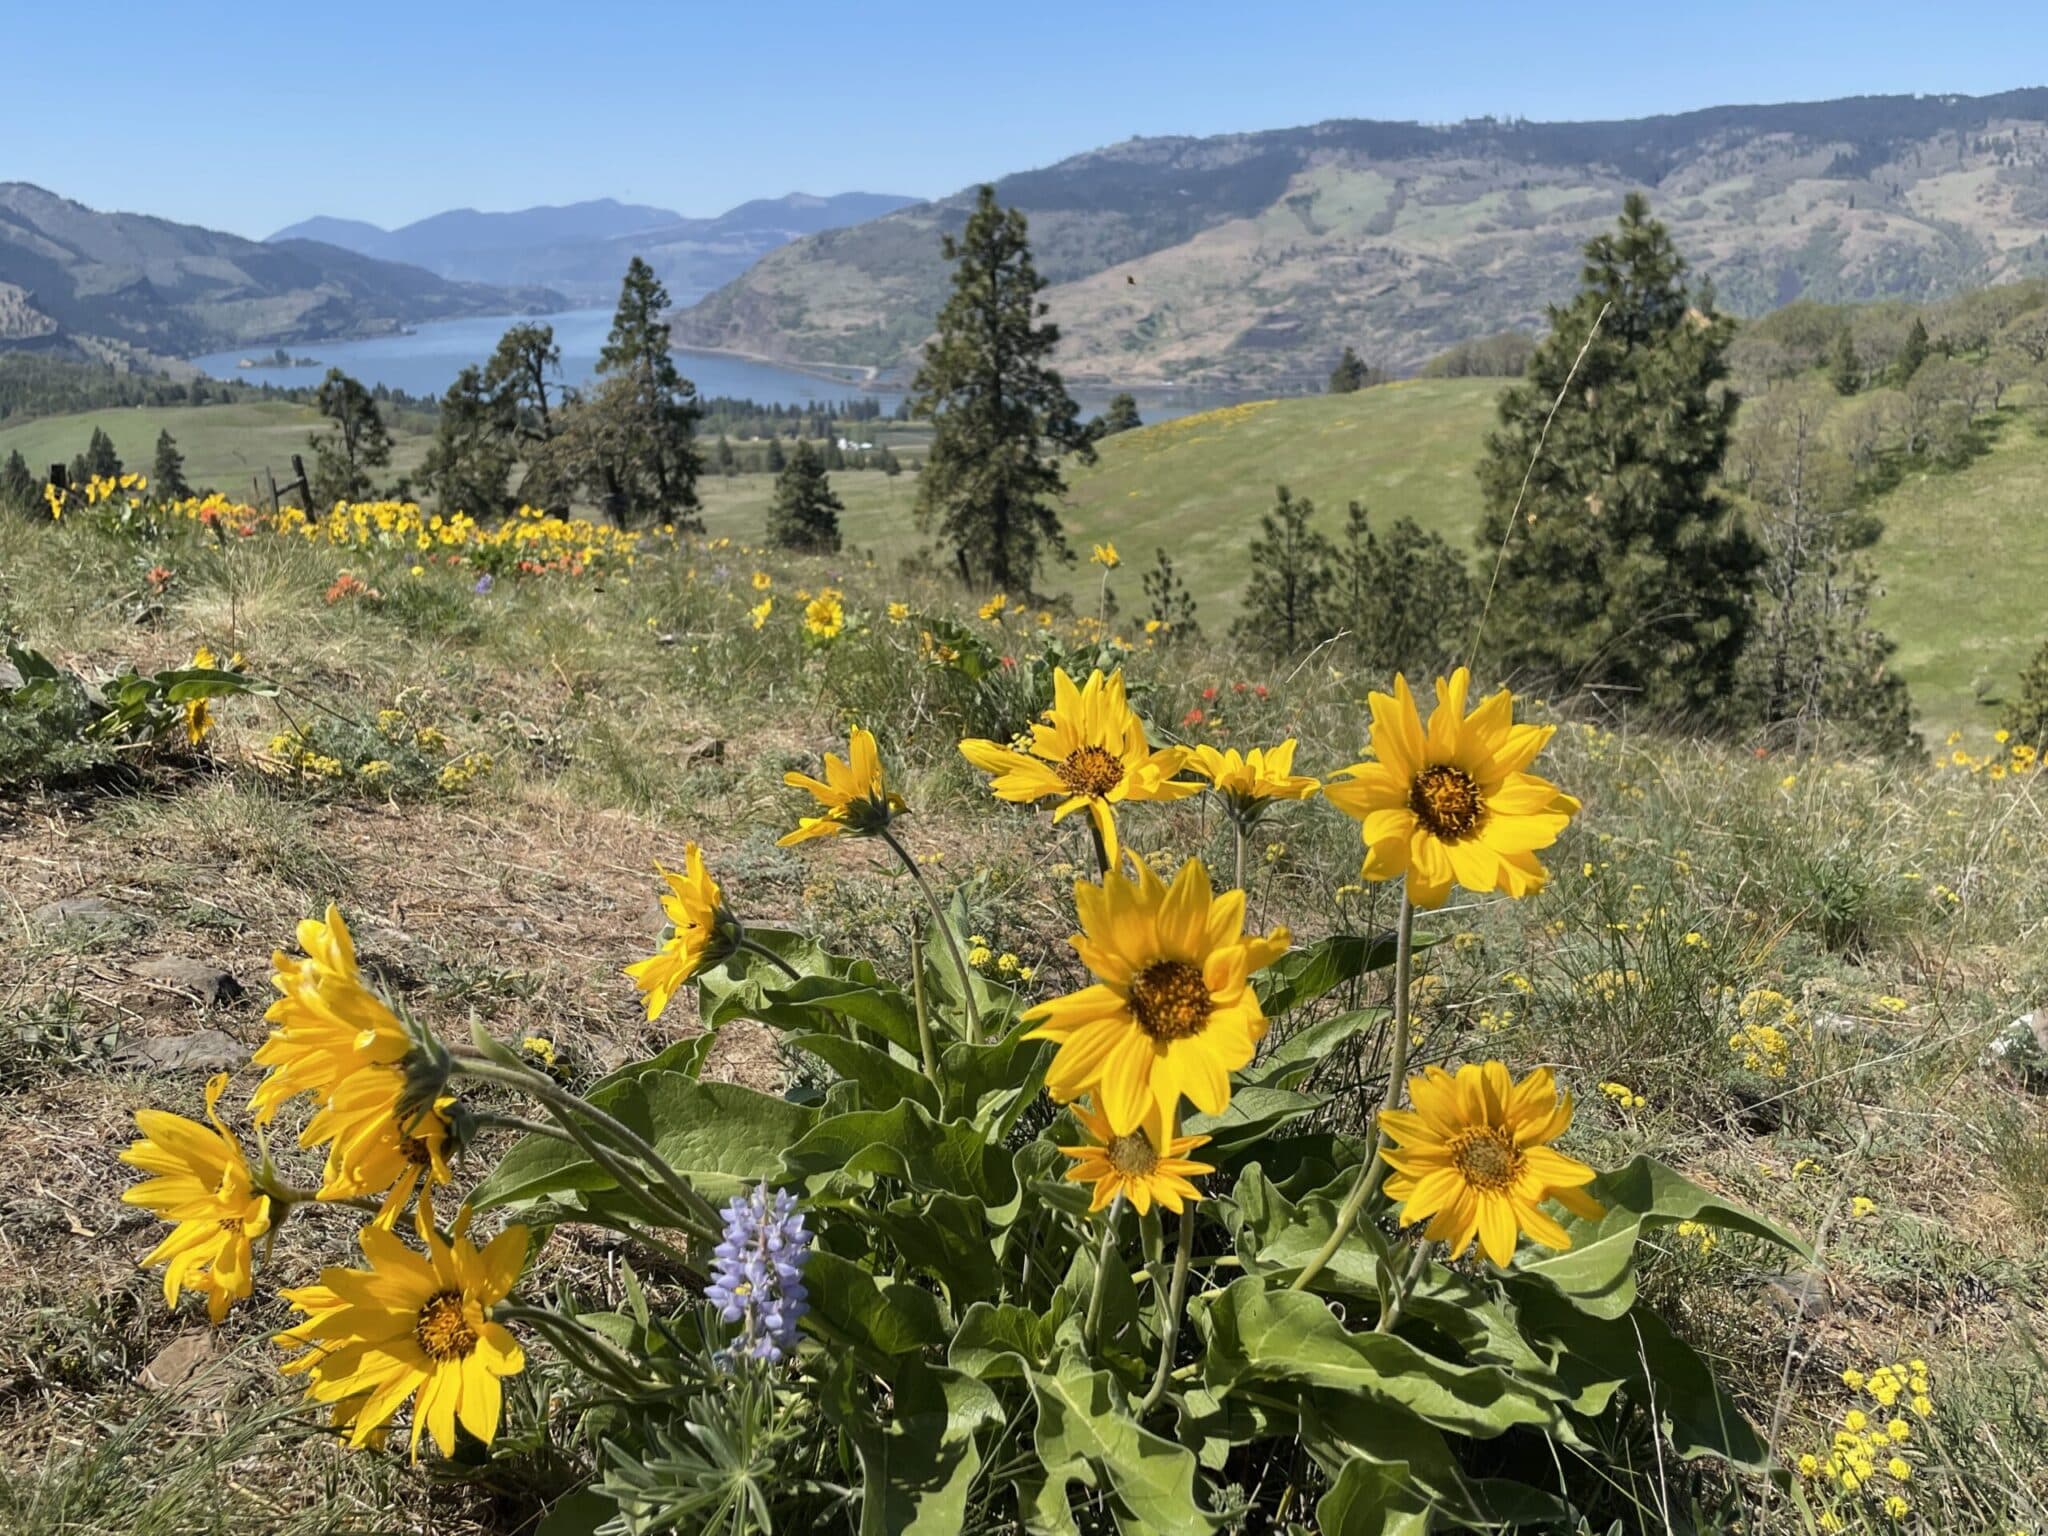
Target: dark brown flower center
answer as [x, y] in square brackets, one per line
[1487, 1158]
[1447, 801]
[1090, 771]
[1132, 1155]
[416, 1151]
[1170, 1000]
[443, 1329]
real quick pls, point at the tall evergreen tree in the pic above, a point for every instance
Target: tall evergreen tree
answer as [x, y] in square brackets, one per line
[525, 366]
[805, 511]
[19, 491]
[775, 459]
[100, 457]
[1350, 373]
[1170, 602]
[1912, 354]
[1845, 369]
[640, 452]
[1407, 600]
[1286, 599]
[1000, 413]
[167, 470]
[469, 467]
[1625, 568]
[1121, 415]
[344, 457]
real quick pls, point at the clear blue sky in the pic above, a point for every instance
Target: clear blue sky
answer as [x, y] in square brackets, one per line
[247, 117]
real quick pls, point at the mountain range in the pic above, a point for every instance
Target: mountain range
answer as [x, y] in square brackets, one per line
[73, 279]
[580, 249]
[1252, 259]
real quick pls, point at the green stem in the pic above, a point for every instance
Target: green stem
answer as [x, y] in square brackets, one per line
[1101, 848]
[1169, 1330]
[495, 1122]
[610, 1365]
[755, 947]
[1374, 1169]
[1237, 826]
[931, 898]
[1092, 1326]
[925, 1046]
[1399, 1299]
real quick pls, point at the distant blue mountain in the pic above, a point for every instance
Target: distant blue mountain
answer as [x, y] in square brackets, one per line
[581, 249]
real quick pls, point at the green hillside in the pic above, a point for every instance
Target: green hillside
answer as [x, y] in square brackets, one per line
[224, 445]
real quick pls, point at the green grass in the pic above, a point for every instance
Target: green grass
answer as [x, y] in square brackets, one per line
[224, 445]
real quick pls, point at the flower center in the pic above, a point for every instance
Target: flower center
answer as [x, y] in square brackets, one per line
[1132, 1155]
[443, 1329]
[1090, 771]
[1487, 1157]
[1447, 801]
[1170, 1000]
[416, 1151]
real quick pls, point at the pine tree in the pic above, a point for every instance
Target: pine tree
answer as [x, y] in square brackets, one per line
[1000, 413]
[344, 457]
[1350, 373]
[19, 491]
[167, 470]
[639, 449]
[1625, 568]
[469, 467]
[1912, 354]
[888, 462]
[1407, 600]
[723, 457]
[805, 511]
[100, 457]
[1172, 605]
[1845, 369]
[525, 366]
[1291, 579]
[1120, 415]
[2026, 717]
[775, 460]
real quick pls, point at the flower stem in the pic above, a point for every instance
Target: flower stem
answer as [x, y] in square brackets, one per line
[925, 1047]
[1372, 1170]
[1237, 828]
[1169, 1328]
[755, 947]
[931, 898]
[594, 1353]
[1092, 1326]
[1399, 1299]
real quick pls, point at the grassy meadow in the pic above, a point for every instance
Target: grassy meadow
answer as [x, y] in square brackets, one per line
[1883, 925]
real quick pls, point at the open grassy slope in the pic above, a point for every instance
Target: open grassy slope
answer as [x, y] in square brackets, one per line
[223, 444]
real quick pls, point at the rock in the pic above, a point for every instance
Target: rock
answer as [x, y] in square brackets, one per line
[177, 1362]
[2022, 1049]
[1801, 1292]
[10, 677]
[82, 912]
[208, 982]
[705, 749]
[208, 1050]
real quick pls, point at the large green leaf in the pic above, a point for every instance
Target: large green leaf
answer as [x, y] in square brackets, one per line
[1417, 1473]
[907, 1144]
[918, 1460]
[721, 1137]
[944, 1236]
[1305, 1049]
[999, 1079]
[1259, 1335]
[827, 1005]
[1252, 1115]
[1001, 1341]
[882, 1324]
[1598, 1272]
[1085, 1435]
[1303, 975]
[884, 1080]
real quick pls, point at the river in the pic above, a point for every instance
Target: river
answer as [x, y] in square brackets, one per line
[426, 360]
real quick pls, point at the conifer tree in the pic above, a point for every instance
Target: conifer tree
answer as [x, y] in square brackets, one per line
[1171, 604]
[469, 467]
[805, 511]
[724, 458]
[1291, 577]
[1407, 600]
[1350, 373]
[1120, 415]
[1000, 413]
[344, 457]
[2026, 717]
[1912, 354]
[1625, 569]
[100, 457]
[1845, 369]
[521, 371]
[167, 470]
[19, 491]
[776, 461]
[632, 440]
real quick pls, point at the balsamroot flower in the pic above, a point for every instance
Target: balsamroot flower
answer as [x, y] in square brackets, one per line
[757, 1272]
[1473, 1157]
[852, 793]
[1454, 803]
[411, 1327]
[824, 616]
[327, 1024]
[1250, 781]
[701, 932]
[1172, 1013]
[200, 1180]
[1091, 751]
[1145, 1166]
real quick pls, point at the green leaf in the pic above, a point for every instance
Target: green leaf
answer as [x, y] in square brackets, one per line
[1303, 975]
[919, 1462]
[943, 1236]
[884, 1081]
[883, 1324]
[1372, 1498]
[721, 1137]
[1002, 1077]
[1086, 1436]
[827, 1005]
[187, 683]
[576, 1514]
[1256, 1335]
[1251, 1116]
[994, 1341]
[1305, 1049]
[907, 1144]
[1597, 1272]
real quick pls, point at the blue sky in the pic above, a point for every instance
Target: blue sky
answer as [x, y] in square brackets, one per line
[247, 117]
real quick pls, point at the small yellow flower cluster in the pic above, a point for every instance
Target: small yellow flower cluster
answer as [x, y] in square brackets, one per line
[992, 610]
[1624, 1096]
[465, 770]
[1700, 1235]
[1762, 1048]
[1868, 1456]
[1611, 986]
[2008, 759]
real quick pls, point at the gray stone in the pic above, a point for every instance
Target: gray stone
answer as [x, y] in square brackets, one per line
[207, 1050]
[202, 979]
[2021, 1048]
[1801, 1292]
[82, 912]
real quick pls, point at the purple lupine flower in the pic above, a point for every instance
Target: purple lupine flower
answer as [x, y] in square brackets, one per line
[757, 1272]
[484, 583]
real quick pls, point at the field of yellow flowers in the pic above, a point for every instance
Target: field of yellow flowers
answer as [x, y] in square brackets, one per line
[563, 1026]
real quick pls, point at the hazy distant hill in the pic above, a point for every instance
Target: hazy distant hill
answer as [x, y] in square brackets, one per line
[68, 271]
[1254, 258]
[582, 248]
